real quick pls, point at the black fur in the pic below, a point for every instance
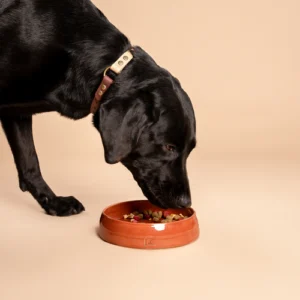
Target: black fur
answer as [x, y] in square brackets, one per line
[52, 57]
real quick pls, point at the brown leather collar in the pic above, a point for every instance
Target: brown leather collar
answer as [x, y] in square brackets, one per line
[107, 81]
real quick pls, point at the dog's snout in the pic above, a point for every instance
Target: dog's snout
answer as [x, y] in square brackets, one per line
[184, 202]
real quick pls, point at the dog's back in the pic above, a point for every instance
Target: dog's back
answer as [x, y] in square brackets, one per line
[25, 35]
[33, 35]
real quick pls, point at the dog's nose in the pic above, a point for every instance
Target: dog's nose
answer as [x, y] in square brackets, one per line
[184, 201]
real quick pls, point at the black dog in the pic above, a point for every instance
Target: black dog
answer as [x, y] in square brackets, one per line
[53, 54]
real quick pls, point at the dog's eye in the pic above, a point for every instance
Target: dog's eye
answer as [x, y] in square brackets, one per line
[171, 148]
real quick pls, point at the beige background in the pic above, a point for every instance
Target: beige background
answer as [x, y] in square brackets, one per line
[239, 61]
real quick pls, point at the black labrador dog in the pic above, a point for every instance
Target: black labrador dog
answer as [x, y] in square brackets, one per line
[56, 55]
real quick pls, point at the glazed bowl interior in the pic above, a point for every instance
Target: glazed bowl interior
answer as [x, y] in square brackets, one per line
[117, 211]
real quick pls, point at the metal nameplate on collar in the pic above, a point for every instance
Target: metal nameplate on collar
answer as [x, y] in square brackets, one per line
[122, 62]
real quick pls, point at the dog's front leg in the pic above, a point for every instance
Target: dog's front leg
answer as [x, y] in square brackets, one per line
[18, 131]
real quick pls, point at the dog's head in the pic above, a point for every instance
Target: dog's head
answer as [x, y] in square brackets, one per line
[147, 123]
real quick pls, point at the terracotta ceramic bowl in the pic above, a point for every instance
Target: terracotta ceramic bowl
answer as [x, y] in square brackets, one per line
[115, 230]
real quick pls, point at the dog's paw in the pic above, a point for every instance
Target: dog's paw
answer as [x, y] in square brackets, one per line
[62, 206]
[23, 186]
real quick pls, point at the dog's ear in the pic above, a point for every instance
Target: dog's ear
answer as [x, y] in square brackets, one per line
[121, 122]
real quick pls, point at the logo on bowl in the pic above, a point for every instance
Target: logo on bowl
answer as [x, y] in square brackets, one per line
[149, 241]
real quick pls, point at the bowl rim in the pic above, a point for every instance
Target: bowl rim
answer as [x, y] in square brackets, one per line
[143, 224]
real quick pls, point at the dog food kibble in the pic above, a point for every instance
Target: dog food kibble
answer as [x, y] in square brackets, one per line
[153, 217]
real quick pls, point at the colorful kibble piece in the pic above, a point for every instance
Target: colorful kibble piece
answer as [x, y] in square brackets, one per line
[166, 213]
[133, 221]
[154, 214]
